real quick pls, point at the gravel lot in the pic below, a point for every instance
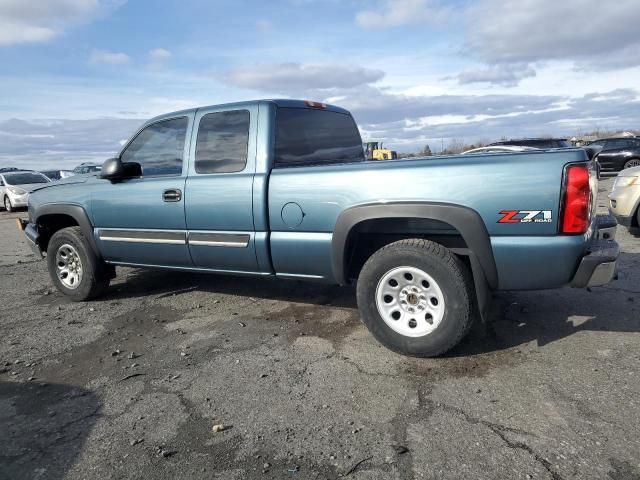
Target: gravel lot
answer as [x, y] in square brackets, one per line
[130, 386]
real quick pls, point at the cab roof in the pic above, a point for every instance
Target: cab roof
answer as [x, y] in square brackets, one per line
[281, 103]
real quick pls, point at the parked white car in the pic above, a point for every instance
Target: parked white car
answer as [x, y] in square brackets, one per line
[15, 187]
[624, 199]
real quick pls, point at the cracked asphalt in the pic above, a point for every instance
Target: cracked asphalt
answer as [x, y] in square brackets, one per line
[130, 385]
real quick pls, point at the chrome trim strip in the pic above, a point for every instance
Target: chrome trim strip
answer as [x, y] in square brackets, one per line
[298, 275]
[143, 240]
[175, 237]
[218, 239]
[165, 237]
[219, 244]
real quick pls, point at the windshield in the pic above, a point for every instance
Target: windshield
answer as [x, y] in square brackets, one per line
[25, 178]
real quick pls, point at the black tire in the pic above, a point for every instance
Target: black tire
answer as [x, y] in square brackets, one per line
[453, 278]
[7, 204]
[94, 280]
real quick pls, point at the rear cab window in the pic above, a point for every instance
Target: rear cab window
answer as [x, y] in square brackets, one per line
[312, 137]
[223, 141]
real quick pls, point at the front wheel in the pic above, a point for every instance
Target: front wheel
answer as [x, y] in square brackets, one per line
[416, 297]
[634, 162]
[7, 204]
[73, 267]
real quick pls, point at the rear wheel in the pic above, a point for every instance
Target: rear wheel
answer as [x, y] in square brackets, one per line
[634, 162]
[73, 267]
[416, 297]
[7, 204]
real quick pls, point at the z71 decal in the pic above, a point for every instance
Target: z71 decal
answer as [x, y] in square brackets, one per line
[525, 216]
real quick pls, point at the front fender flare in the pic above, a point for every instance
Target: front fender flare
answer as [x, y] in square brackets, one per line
[76, 212]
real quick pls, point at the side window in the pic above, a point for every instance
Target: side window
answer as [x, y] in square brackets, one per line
[159, 148]
[223, 140]
[316, 137]
[1, 182]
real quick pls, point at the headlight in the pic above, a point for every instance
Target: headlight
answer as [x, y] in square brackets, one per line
[17, 191]
[625, 182]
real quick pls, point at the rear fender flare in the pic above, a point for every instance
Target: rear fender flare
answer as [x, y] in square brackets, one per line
[464, 219]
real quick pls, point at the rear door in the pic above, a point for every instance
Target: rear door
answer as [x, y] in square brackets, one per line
[141, 220]
[219, 189]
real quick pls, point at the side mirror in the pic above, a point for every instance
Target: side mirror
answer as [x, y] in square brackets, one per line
[114, 169]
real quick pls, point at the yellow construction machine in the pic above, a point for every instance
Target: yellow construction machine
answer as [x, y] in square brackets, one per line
[374, 151]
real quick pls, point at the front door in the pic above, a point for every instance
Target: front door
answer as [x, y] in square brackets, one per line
[219, 190]
[141, 220]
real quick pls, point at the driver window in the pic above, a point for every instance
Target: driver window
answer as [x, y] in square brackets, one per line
[159, 148]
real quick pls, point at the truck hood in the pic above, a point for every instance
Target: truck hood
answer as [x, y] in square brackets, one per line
[75, 179]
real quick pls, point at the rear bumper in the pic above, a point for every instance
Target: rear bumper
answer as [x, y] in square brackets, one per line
[598, 266]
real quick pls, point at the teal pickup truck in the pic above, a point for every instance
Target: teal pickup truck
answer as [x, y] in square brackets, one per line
[282, 188]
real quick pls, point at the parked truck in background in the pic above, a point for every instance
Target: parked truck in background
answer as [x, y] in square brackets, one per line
[282, 188]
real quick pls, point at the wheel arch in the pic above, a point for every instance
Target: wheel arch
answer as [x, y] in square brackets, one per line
[53, 217]
[466, 222]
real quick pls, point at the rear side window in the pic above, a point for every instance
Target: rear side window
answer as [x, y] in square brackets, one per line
[315, 137]
[222, 144]
[159, 148]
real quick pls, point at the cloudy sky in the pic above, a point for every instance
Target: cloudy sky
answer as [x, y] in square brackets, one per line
[78, 76]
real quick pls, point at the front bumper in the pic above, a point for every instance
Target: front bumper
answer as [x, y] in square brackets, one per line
[598, 266]
[32, 235]
[19, 201]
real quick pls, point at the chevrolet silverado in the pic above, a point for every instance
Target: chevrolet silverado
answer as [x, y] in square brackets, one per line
[282, 188]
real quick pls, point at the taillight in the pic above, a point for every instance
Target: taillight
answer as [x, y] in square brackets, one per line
[576, 205]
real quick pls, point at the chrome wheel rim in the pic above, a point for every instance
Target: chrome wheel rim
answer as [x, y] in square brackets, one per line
[7, 203]
[410, 301]
[632, 163]
[69, 266]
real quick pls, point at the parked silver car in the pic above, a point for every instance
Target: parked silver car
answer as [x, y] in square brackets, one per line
[499, 149]
[15, 187]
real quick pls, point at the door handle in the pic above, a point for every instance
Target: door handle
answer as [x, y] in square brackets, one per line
[172, 195]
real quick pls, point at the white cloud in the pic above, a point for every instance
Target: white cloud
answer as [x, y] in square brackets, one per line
[507, 75]
[395, 13]
[24, 21]
[104, 57]
[13, 33]
[513, 39]
[534, 30]
[293, 77]
[159, 55]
